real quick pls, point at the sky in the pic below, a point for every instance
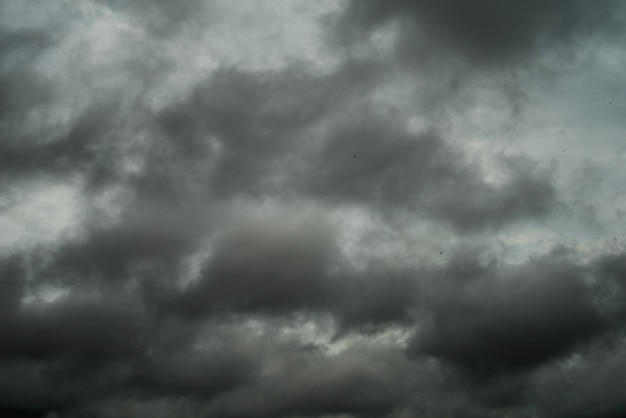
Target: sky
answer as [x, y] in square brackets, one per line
[298, 209]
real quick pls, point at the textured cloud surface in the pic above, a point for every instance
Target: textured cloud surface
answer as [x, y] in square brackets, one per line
[355, 208]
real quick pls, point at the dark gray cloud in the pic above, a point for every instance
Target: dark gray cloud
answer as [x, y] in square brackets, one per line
[265, 267]
[450, 47]
[371, 160]
[79, 328]
[258, 118]
[359, 383]
[587, 388]
[227, 363]
[281, 267]
[510, 319]
[12, 272]
[194, 224]
[27, 157]
[365, 157]
[18, 48]
[486, 31]
[109, 252]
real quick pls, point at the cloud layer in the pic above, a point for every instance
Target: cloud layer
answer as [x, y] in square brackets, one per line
[347, 209]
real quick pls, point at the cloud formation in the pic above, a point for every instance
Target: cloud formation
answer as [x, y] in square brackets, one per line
[298, 210]
[487, 31]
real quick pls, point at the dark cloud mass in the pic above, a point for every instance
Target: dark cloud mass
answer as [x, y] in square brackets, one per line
[325, 209]
[512, 320]
[490, 31]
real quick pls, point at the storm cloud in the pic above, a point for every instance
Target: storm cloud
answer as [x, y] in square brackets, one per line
[489, 31]
[312, 209]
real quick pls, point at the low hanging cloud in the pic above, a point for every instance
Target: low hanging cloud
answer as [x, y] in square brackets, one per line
[510, 319]
[311, 210]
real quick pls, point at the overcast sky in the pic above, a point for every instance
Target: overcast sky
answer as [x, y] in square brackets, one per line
[292, 208]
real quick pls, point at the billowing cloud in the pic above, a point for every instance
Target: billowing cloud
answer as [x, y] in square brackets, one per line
[510, 319]
[312, 209]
